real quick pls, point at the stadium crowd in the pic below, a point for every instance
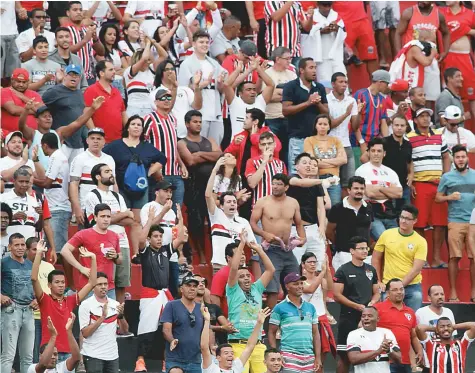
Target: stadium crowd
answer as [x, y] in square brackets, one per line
[140, 133]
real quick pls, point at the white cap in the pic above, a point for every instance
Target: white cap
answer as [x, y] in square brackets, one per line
[452, 112]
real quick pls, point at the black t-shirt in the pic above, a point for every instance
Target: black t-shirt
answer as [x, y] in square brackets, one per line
[398, 156]
[358, 284]
[155, 267]
[349, 224]
[307, 199]
[215, 312]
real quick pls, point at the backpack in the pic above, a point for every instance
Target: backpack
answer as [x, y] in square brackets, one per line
[135, 178]
[88, 224]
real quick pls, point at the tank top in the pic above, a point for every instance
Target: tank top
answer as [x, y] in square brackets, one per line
[420, 22]
[201, 170]
[316, 299]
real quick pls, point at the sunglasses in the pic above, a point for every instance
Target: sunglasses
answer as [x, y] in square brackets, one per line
[165, 98]
[301, 314]
[192, 318]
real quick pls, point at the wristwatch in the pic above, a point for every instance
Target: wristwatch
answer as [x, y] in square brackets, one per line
[361, 141]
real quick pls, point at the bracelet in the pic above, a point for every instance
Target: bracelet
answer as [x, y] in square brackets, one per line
[36, 159]
[120, 316]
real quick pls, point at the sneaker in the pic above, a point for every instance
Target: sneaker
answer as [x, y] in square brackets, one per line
[139, 366]
[80, 367]
[124, 335]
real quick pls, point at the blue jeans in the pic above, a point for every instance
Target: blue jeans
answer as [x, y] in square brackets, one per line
[400, 368]
[334, 191]
[18, 330]
[187, 367]
[179, 193]
[412, 296]
[405, 200]
[378, 226]
[295, 148]
[36, 348]
[59, 224]
[279, 127]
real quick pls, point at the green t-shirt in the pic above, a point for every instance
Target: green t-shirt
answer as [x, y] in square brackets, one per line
[243, 308]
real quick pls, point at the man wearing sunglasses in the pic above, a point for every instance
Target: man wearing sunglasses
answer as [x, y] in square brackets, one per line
[401, 253]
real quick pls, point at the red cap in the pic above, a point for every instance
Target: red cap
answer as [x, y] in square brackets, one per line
[399, 85]
[20, 74]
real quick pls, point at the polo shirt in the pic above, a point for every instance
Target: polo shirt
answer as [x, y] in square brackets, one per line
[446, 98]
[109, 115]
[296, 326]
[302, 124]
[337, 108]
[350, 223]
[400, 322]
[454, 181]
[59, 310]
[398, 156]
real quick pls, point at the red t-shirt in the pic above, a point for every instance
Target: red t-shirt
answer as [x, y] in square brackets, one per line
[30, 5]
[109, 116]
[59, 311]
[400, 322]
[10, 122]
[459, 24]
[98, 244]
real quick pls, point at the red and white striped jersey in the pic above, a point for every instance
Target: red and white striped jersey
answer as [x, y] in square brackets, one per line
[139, 85]
[447, 358]
[161, 132]
[85, 54]
[286, 32]
[264, 187]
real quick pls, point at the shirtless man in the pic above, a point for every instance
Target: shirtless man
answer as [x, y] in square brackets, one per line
[461, 21]
[278, 213]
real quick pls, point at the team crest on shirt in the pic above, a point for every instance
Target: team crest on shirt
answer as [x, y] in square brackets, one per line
[279, 169]
[410, 246]
[470, 90]
[455, 348]
[369, 274]
[408, 316]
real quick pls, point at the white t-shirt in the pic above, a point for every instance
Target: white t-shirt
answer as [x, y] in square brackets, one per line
[58, 171]
[102, 343]
[221, 185]
[109, 199]
[237, 367]
[225, 231]
[59, 368]
[337, 108]
[465, 138]
[24, 204]
[8, 19]
[167, 223]
[138, 87]
[81, 167]
[146, 9]
[382, 176]
[237, 111]
[124, 48]
[8, 163]
[363, 341]
[221, 44]
[24, 41]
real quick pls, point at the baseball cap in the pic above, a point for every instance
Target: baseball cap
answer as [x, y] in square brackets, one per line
[424, 110]
[96, 131]
[161, 93]
[292, 277]
[41, 110]
[20, 74]
[248, 48]
[73, 69]
[399, 85]
[452, 112]
[11, 134]
[188, 279]
[164, 185]
[381, 76]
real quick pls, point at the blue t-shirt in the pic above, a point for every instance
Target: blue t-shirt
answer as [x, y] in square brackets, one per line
[122, 154]
[454, 181]
[188, 348]
[16, 280]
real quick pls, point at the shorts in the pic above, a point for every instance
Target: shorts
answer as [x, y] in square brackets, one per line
[464, 62]
[134, 203]
[348, 322]
[385, 14]
[361, 35]
[122, 271]
[458, 238]
[284, 263]
[10, 58]
[297, 363]
[430, 213]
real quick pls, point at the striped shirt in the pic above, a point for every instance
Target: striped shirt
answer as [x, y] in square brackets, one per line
[161, 132]
[427, 153]
[138, 86]
[447, 358]
[371, 115]
[264, 187]
[286, 32]
[296, 326]
[85, 54]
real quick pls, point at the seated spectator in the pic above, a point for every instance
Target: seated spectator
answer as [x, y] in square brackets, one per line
[329, 152]
[226, 42]
[24, 41]
[453, 133]
[451, 96]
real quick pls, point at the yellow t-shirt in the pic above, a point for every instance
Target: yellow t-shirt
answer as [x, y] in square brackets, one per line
[45, 269]
[400, 252]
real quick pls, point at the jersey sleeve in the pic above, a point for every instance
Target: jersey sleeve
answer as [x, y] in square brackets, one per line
[91, 202]
[381, 244]
[46, 210]
[339, 277]
[88, 96]
[144, 214]
[167, 315]
[250, 168]
[275, 316]
[421, 250]
[76, 167]
[218, 285]
[442, 188]
[352, 343]
[77, 240]
[54, 166]
[83, 314]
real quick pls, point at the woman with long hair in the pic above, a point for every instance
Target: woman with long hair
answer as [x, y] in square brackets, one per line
[133, 39]
[330, 154]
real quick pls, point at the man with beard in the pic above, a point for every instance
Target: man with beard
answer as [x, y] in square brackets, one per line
[14, 99]
[417, 98]
[62, 54]
[369, 348]
[446, 353]
[103, 178]
[456, 187]
[277, 213]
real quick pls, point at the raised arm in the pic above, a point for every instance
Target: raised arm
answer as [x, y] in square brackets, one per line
[268, 91]
[209, 196]
[47, 354]
[84, 253]
[28, 132]
[269, 268]
[75, 357]
[40, 251]
[233, 271]
[204, 341]
[402, 27]
[228, 87]
[280, 13]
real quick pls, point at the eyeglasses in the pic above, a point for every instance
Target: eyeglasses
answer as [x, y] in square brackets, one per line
[366, 248]
[165, 98]
[286, 58]
[300, 314]
[407, 218]
[192, 318]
